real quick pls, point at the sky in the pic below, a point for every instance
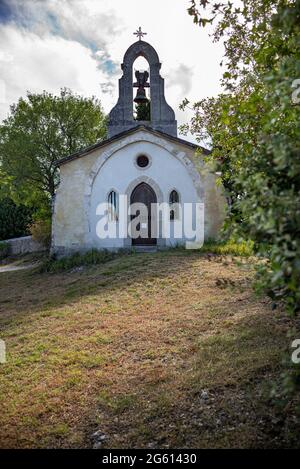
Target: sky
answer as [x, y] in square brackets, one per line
[80, 44]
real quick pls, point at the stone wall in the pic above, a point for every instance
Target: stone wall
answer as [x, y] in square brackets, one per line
[23, 245]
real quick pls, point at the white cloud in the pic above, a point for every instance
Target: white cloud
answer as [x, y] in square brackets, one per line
[52, 43]
[181, 76]
[48, 63]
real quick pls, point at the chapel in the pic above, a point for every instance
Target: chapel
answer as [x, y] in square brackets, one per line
[142, 161]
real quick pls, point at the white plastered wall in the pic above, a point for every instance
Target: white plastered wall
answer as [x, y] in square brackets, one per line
[87, 180]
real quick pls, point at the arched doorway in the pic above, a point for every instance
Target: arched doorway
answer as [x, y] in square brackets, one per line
[144, 194]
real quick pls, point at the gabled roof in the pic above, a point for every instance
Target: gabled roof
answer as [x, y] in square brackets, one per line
[103, 143]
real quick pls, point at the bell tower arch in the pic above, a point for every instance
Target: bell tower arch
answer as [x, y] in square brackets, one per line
[162, 115]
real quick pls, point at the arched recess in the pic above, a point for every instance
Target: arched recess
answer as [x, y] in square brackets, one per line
[159, 199]
[141, 112]
[174, 201]
[144, 194]
[139, 136]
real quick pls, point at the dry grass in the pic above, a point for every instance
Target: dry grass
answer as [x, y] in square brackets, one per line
[153, 349]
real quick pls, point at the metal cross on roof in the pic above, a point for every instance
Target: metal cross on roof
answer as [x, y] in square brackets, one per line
[139, 33]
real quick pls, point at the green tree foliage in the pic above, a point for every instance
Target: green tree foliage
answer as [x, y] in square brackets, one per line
[143, 111]
[14, 219]
[254, 128]
[39, 131]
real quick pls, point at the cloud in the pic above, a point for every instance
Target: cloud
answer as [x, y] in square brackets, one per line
[34, 63]
[6, 12]
[50, 44]
[69, 19]
[181, 76]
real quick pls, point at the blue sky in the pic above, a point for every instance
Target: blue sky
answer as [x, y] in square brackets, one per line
[50, 44]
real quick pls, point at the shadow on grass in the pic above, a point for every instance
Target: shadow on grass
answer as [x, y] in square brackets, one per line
[218, 398]
[28, 292]
[183, 374]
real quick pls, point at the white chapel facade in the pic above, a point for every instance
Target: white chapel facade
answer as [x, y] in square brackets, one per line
[141, 162]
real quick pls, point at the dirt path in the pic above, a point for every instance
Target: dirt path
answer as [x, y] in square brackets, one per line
[12, 267]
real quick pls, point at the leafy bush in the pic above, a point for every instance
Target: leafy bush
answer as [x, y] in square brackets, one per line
[41, 232]
[14, 219]
[285, 388]
[91, 257]
[235, 248]
[4, 249]
[254, 130]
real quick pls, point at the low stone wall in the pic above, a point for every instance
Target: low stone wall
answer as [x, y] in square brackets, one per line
[23, 245]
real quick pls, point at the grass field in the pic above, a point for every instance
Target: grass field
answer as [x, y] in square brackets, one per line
[171, 349]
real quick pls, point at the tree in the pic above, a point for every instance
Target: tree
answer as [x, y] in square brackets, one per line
[39, 131]
[255, 132]
[14, 219]
[143, 111]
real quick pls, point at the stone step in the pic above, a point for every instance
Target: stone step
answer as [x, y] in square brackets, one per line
[145, 248]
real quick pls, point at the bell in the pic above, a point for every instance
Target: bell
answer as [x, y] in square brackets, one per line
[141, 96]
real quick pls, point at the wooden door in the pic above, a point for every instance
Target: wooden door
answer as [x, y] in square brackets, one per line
[144, 194]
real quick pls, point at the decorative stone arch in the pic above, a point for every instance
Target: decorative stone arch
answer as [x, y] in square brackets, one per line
[139, 136]
[162, 115]
[176, 190]
[112, 189]
[141, 48]
[150, 182]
